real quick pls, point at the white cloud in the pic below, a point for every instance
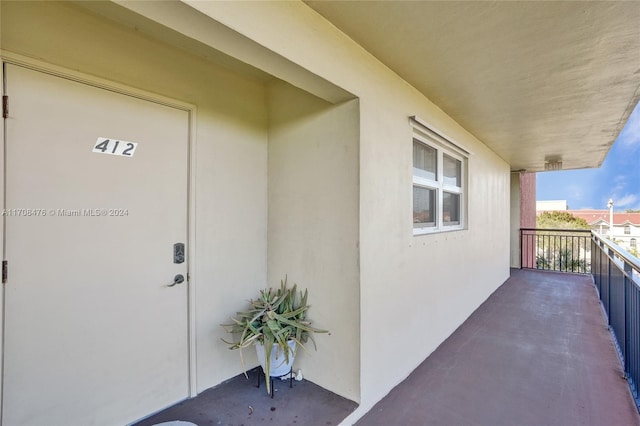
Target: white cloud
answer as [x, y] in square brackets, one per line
[627, 200]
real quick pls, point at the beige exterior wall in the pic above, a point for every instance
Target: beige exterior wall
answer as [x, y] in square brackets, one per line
[230, 146]
[412, 292]
[313, 225]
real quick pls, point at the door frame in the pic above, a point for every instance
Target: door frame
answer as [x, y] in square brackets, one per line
[55, 70]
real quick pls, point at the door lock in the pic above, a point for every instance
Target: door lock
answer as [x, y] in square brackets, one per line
[178, 253]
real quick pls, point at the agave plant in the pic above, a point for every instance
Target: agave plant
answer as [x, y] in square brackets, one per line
[273, 319]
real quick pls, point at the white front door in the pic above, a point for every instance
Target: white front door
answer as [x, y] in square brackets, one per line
[93, 333]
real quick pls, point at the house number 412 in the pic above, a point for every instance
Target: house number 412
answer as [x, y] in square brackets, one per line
[115, 147]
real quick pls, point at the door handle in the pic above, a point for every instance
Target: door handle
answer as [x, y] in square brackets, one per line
[178, 279]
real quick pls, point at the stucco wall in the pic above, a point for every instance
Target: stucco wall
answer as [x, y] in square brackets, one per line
[313, 225]
[528, 200]
[230, 144]
[414, 290]
[516, 211]
[527, 214]
[523, 214]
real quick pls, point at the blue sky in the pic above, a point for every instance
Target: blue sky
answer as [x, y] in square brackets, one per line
[617, 178]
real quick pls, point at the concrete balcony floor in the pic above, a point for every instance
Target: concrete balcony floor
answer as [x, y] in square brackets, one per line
[537, 352]
[238, 402]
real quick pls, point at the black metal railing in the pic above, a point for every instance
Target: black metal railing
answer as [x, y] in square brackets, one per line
[562, 250]
[616, 274]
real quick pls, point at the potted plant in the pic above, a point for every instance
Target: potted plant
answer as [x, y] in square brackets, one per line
[276, 323]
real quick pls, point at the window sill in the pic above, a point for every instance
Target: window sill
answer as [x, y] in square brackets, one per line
[426, 231]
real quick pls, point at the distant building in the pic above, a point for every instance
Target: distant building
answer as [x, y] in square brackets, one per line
[626, 226]
[551, 205]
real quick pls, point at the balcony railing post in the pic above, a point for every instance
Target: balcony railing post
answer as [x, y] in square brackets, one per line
[521, 249]
[615, 274]
[609, 276]
[627, 283]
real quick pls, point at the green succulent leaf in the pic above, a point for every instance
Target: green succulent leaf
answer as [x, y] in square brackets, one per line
[276, 317]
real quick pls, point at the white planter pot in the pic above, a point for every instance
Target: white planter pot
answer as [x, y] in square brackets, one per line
[279, 364]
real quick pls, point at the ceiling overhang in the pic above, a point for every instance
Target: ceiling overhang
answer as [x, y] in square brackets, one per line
[537, 82]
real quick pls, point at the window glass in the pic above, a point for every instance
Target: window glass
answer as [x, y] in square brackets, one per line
[424, 207]
[450, 208]
[627, 229]
[424, 161]
[633, 242]
[452, 171]
[439, 183]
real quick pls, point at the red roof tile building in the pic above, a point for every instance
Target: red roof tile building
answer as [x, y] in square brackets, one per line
[626, 226]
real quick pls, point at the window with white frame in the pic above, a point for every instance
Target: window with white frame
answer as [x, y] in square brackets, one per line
[439, 183]
[632, 243]
[627, 229]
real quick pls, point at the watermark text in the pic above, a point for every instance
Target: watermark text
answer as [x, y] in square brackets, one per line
[99, 212]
